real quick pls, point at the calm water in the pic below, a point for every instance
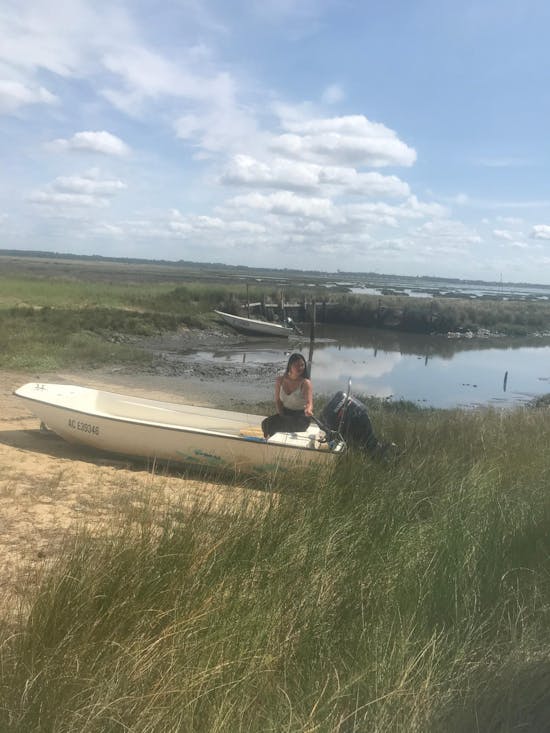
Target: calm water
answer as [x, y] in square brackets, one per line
[427, 370]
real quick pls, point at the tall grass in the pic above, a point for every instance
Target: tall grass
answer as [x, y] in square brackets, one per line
[412, 595]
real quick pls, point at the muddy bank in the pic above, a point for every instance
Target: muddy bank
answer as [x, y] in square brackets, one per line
[176, 366]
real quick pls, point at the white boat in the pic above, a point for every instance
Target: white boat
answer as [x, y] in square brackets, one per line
[175, 432]
[254, 327]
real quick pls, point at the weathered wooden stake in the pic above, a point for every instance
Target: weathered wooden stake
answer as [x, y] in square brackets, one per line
[313, 320]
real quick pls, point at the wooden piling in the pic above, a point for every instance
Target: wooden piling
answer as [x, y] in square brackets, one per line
[313, 320]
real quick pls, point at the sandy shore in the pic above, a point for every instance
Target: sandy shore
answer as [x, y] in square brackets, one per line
[48, 487]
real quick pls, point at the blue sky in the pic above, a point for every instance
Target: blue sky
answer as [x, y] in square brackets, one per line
[406, 137]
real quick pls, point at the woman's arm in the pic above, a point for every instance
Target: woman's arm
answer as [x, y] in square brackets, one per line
[278, 403]
[307, 391]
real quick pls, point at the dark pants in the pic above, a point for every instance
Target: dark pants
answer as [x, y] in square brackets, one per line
[291, 421]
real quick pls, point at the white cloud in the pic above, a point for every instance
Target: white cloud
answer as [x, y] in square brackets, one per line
[391, 214]
[541, 231]
[94, 142]
[244, 170]
[368, 184]
[350, 140]
[55, 198]
[88, 185]
[287, 203]
[33, 37]
[88, 190]
[198, 224]
[14, 94]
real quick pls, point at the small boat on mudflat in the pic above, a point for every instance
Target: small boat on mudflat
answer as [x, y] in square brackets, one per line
[255, 327]
[136, 426]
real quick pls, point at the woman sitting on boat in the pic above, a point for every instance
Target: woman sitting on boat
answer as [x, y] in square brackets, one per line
[293, 398]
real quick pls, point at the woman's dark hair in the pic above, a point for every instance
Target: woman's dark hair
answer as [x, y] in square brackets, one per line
[293, 359]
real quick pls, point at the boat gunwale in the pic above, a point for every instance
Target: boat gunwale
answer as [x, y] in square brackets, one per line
[243, 319]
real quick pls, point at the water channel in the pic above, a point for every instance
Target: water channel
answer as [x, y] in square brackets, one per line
[428, 370]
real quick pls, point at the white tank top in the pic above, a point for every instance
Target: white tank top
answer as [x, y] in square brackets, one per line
[293, 401]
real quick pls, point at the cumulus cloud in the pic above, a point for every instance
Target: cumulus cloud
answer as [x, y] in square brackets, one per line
[94, 142]
[88, 190]
[541, 231]
[14, 94]
[287, 203]
[196, 224]
[391, 214]
[244, 170]
[349, 140]
[88, 185]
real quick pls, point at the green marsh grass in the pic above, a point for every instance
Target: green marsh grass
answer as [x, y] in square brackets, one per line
[49, 338]
[409, 595]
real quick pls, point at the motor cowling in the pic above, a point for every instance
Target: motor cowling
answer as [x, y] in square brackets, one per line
[350, 416]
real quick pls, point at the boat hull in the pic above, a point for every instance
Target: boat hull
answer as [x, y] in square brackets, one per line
[187, 434]
[253, 327]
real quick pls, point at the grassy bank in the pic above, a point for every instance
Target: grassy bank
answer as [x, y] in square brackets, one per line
[426, 315]
[409, 596]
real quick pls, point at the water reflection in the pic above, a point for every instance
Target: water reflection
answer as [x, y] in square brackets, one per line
[427, 370]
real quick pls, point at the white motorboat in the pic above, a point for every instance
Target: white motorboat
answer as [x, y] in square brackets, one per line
[188, 434]
[255, 327]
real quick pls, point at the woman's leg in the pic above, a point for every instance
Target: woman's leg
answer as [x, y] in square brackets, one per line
[290, 422]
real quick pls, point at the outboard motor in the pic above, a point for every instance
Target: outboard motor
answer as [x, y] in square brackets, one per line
[349, 416]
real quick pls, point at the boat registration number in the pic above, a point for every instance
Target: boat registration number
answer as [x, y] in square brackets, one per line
[84, 427]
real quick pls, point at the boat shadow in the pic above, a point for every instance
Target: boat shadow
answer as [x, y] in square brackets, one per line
[48, 443]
